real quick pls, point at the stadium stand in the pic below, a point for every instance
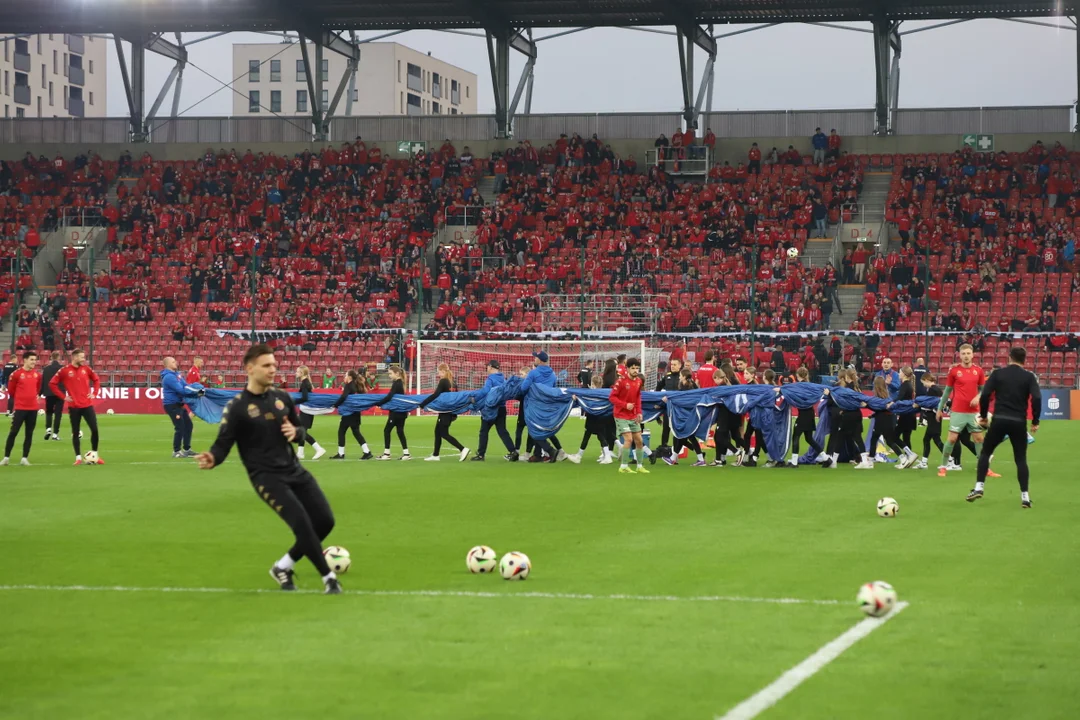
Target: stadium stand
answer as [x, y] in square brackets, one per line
[342, 238]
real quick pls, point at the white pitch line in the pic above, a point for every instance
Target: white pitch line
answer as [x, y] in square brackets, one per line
[427, 593]
[775, 692]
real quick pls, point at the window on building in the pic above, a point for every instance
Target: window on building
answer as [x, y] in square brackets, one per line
[38, 50]
[435, 108]
[91, 70]
[65, 66]
[436, 85]
[7, 111]
[253, 101]
[453, 111]
[55, 63]
[301, 76]
[301, 101]
[8, 59]
[355, 95]
[413, 106]
[253, 71]
[20, 113]
[275, 101]
[39, 97]
[402, 111]
[466, 91]
[414, 79]
[455, 92]
[324, 101]
[50, 94]
[324, 70]
[275, 71]
[398, 64]
[91, 97]
[7, 90]
[44, 77]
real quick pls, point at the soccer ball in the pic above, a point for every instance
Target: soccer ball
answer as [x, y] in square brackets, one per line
[338, 559]
[515, 566]
[887, 507]
[876, 598]
[793, 253]
[40, 412]
[91, 457]
[110, 411]
[481, 559]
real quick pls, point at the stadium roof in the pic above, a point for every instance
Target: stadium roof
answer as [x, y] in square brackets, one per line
[99, 16]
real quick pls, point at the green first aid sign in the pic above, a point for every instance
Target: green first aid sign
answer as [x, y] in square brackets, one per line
[979, 141]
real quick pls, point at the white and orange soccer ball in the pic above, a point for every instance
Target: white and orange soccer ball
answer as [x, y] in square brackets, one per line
[515, 566]
[91, 457]
[480, 560]
[793, 253]
[887, 507]
[877, 598]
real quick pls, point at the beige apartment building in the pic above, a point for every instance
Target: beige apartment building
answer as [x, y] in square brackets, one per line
[53, 75]
[391, 80]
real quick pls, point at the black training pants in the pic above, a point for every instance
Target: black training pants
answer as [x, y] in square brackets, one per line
[182, 426]
[1016, 431]
[54, 409]
[307, 421]
[300, 502]
[442, 432]
[351, 423]
[499, 423]
[77, 415]
[395, 421]
[29, 418]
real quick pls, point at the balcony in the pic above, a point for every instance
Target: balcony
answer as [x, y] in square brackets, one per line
[415, 83]
[76, 44]
[76, 108]
[413, 110]
[436, 90]
[76, 75]
[22, 94]
[455, 97]
[22, 62]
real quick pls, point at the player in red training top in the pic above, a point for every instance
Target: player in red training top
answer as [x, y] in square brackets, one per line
[620, 365]
[194, 375]
[81, 383]
[626, 407]
[24, 386]
[963, 385]
[706, 371]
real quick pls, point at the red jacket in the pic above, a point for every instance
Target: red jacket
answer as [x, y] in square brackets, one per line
[79, 382]
[704, 376]
[193, 376]
[25, 387]
[625, 391]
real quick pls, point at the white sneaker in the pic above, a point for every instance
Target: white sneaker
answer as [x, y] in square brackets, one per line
[319, 453]
[406, 456]
[575, 458]
[865, 465]
[822, 457]
[605, 460]
[25, 462]
[881, 457]
[464, 454]
[906, 461]
[561, 455]
[432, 458]
[3, 461]
[921, 465]
[300, 453]
[385, 456]
[953, 467]
[794, 462]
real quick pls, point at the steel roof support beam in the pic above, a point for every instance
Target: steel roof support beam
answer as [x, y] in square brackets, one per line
[523, 81]
[135, 82]
[887, 72]
[316, 110]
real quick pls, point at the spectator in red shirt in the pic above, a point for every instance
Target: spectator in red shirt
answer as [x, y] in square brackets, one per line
[753, 165]
[194, 375]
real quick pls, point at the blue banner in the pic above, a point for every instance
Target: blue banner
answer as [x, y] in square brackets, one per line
[1056, 404]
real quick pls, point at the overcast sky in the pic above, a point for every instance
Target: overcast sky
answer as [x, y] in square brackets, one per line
[978, 63]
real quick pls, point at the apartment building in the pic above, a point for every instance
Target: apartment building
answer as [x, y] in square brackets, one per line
[392, 80]
[53, 75]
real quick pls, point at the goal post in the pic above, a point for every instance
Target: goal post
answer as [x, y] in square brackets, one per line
[468, 359]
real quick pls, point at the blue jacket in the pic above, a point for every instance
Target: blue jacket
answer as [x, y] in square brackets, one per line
[892, 379]
[820, 141]
[173, 387]
[540, 375]
[493, 381]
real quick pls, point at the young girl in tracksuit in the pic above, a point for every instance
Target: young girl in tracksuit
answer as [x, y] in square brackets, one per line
[805, 423]
[686, 382]
[442, 425]
[884, 428]
[354, 384]
[303, 376]
[396, 419]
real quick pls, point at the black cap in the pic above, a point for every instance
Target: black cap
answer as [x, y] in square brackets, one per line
[493, 364]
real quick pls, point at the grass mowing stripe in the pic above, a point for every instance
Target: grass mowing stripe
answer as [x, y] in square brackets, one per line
[773, 693]
[427, 593]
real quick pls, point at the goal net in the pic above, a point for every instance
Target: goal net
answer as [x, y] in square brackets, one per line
[468, 359]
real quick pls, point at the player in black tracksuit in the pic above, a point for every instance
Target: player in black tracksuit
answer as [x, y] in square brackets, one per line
[668, 382]
[933, 425]
[264, 424]
[54, 404]
[354, 385]
[686, 382]
[1013, 390]
[396, 420]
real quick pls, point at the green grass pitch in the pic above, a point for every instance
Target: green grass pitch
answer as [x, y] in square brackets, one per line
[992, 631]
